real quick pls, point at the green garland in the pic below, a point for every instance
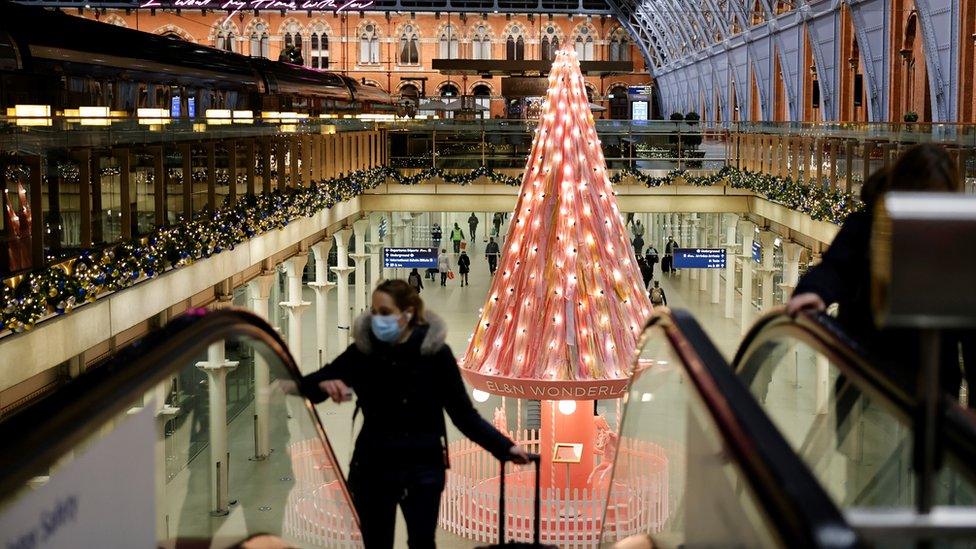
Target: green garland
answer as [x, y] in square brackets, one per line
[57, 289]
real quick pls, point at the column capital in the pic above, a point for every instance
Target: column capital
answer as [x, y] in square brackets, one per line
[340, 271]
[359, 257]
[259, 287]
[342, 237]
[322, 248]
[165, 412]
[768, 238]
[360, 225]
[745, 226]
[295, 308]
[217, 367]
[792, 251]
[322, 286]
[295, 264]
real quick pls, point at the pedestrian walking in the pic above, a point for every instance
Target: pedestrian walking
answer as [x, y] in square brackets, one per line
[472, 226]
[667, 264]
[651, 257]
[645, 269]
[443, 266]
[435, 235]
[415, 281]
[496, 220]
[657, 295]
[491, 252]
[464, 267]
[457, 235]
[638, 244]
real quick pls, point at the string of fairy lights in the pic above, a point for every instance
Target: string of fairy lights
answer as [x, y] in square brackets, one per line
[59, 288]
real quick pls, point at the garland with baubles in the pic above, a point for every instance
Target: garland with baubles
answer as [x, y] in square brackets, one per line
[57, 289]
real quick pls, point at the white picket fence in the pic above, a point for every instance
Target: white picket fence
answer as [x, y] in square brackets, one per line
[317, 514]
[569, 518]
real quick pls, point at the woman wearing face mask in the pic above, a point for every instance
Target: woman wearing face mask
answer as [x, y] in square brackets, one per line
[405, 377]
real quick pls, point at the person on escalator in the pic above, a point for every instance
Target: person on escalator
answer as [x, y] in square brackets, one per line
[405, 376]
[844, 274]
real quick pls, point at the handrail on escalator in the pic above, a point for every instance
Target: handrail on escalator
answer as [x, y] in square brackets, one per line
[37, 436]
[791, 496]
[825, 336]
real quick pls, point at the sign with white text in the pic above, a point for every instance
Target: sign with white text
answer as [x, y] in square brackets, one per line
[410, 258]
[699, 258]
[756, 252]
[105, 497]
[234, 6]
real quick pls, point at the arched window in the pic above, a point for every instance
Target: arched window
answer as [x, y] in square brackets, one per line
[319, 42]
[619, 46]
[449, 90]
[259, 41]
[514, 46]
[224, 38]
[482, 98]
[449, 43]
[369, 46]
[550, 43]
[481, 43]
[584, 44]
[293, 38]
[409, 46]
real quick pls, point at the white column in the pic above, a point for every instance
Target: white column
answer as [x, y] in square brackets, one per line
[375, 246]
[703, 242]
[716, 274]
[791, 268]
[768, 239]
[731, 220]
[164, 412]
[395, 240]
[691, 221]
[362, 290]
[321, 285]
[294, 267]
[342, 270]
[259, 291]
[748, 231]
[216, 367]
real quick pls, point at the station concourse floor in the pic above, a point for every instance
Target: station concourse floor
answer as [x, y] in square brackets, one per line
[458, 306]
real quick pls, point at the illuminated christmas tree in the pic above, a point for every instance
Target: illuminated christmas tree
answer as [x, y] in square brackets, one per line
[567, 303]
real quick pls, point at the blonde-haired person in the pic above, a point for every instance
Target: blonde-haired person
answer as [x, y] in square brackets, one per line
[405, 378]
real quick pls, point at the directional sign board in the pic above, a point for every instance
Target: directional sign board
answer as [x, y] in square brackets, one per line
[410, 258]
[699, 258]
[756, 252]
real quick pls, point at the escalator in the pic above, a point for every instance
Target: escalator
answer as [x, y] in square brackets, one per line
[697, 460]
[696, 444]
[855, 428]
[193, 414]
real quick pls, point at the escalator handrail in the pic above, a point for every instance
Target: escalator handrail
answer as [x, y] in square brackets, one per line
[37, 436]
[825, 336]
[803, 514]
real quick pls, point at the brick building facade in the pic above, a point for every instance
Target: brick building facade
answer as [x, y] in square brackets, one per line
[394, 51]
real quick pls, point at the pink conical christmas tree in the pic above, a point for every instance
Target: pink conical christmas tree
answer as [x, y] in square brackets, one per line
[567, 303]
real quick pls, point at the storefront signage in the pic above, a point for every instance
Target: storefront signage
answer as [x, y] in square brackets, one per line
[234, 6]
[525, 86]
[699, 258]
[410, 258]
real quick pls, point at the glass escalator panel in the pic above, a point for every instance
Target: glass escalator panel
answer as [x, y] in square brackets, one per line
[697, 464]
[210, 449]
[853, 434]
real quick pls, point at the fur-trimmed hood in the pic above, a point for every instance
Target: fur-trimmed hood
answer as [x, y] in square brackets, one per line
[434, 340]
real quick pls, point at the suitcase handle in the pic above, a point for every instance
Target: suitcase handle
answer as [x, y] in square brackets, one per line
[534, 458]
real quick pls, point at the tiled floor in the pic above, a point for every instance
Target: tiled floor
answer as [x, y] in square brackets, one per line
[459, 308]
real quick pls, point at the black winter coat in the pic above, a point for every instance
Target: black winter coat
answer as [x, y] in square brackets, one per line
[464, 264]
[403, 391]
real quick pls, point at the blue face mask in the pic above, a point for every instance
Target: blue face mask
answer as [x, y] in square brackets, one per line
[386, 327]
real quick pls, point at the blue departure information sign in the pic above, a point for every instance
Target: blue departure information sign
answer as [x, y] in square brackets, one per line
[410, 258]
[699, 258]
[756, 252]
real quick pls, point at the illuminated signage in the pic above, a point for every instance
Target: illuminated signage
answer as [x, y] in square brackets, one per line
[756, 252]
[699, 258]
[410, 258]
[638, 110]
[234, 6]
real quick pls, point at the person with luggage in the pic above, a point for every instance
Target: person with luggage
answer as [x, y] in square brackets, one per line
[652, 257]
[405, 377]
[414, 280]
[464, 266]
[472, 226]
[457, 235]
[658, 298]
[443, 266]
[491, 252]
[667, 264]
